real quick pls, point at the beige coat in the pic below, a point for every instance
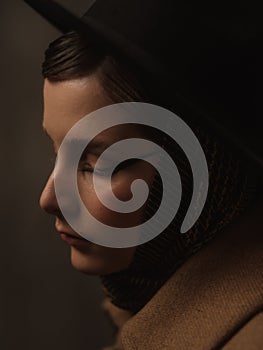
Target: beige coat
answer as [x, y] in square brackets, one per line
[214, 301]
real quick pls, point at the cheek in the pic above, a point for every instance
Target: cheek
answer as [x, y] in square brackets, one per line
[104, 214]
[121, 185]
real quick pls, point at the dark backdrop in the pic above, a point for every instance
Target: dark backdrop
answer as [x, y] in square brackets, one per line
[44, 302]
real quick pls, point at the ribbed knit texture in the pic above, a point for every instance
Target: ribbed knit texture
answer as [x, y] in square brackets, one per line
[231, 190]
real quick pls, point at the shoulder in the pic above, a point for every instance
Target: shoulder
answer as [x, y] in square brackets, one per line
[209, 300]
[249, 336]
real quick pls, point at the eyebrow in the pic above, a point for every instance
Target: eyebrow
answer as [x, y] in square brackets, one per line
[95, 146]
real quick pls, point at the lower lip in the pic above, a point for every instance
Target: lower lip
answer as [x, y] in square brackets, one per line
[74, 241]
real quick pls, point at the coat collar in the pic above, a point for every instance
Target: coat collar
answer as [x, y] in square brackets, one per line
[209, 297]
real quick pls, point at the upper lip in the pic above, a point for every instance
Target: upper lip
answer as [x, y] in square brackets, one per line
[66, 232]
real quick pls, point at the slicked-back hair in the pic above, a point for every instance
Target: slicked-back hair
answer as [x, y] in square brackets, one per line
[73, 56]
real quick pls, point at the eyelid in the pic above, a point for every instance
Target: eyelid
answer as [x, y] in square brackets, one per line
[122, 165]
[98, 171]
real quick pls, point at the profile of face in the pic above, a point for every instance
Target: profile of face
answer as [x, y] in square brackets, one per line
[65, 103]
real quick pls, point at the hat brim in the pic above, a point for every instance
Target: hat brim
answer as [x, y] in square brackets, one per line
[106, 37]
[57, 15]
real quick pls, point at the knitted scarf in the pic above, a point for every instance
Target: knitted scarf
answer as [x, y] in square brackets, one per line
[231, 191]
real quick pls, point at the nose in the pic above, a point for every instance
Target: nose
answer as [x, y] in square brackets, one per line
[48, 200]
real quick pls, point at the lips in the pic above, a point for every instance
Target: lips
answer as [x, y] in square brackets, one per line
[74, 240]
[66, 233]
[72, 236]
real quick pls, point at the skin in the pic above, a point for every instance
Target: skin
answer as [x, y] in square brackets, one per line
[65, 103]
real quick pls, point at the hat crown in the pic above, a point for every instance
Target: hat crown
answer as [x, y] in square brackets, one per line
[179, 26]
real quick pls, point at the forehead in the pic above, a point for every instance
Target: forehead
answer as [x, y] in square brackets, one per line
[65, 103]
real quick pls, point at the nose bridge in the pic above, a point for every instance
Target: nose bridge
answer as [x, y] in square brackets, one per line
[48, 200]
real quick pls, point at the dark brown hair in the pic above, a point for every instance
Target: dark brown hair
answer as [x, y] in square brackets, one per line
[73, 56]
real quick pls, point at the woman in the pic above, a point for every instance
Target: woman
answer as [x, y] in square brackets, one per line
[198, 290]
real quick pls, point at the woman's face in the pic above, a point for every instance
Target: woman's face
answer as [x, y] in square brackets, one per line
[65, 103]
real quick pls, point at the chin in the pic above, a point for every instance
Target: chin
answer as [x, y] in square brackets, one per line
[89, 263]
[85, 263]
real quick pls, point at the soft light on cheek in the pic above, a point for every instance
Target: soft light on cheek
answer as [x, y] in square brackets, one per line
[120, 184]
[85, 183]
[121, 188]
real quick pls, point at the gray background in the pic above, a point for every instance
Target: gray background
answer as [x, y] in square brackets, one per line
[44, 302]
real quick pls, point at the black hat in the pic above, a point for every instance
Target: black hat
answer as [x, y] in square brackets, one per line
[205, 55]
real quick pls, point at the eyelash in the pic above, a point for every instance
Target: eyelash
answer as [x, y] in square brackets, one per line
[88, 169]
[101, 172]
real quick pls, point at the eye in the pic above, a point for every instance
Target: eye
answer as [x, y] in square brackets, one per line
[87, 168]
